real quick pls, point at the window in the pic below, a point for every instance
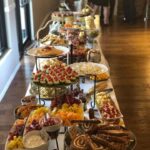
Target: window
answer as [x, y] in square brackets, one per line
[3, 42]
[23, 16]
[23, 24]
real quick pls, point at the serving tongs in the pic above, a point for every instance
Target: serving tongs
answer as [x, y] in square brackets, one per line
[106, 90]
[83, 77]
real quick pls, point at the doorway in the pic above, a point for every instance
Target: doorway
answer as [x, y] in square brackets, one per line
[23, 24]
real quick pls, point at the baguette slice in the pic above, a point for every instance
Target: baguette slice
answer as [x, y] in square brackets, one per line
[99, 87]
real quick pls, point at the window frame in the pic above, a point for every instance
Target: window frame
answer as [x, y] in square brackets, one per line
[3, 37]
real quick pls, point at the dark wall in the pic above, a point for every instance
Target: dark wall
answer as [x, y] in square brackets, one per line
[139, 5]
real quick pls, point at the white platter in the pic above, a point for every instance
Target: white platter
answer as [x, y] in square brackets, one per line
[32, 52]
[85, 68]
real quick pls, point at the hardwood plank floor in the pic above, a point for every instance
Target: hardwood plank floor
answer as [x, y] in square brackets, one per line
[127, 49]
[12, 98]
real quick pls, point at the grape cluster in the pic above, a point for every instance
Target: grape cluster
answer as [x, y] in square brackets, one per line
[33, 126]
[17, 131]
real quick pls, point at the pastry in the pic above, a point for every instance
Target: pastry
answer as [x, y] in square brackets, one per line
[88, 127]
[113, 138]
[84, 142]
[25, 110]
[101, 76]
[114, 132]
[105, 143]
[28, 99]
[95, 146]
[110, 127]
[80, 143]
[99, 87]
[72, 133]
[52, 39]
[45, 51]
[113, 143]
[104, 137]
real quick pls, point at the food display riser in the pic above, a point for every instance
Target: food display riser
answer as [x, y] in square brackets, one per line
[86, 85]
[38, 60]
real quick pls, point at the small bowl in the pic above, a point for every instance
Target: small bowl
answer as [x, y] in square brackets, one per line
[53, 128]
[41, 133]
[93, 33]
[31, 99]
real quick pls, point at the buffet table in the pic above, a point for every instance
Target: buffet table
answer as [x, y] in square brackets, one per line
[86, 83]
[61, 137]
[52, 144]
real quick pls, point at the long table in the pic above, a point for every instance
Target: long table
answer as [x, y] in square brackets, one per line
[52, 143]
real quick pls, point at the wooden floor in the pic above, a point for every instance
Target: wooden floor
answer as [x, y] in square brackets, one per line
[127, 49]
[12, 98]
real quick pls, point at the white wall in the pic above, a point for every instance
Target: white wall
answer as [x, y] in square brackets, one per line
[39, 10]
[9, 64]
